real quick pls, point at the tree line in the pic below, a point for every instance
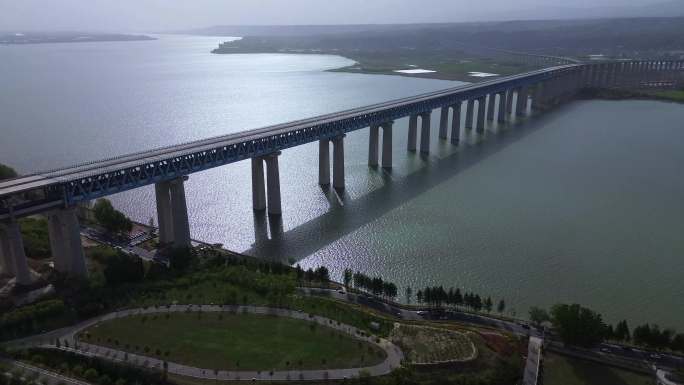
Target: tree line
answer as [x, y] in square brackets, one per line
[375, 285]
[321, 274]
[92, 369]
[438, 296]
[578, 325]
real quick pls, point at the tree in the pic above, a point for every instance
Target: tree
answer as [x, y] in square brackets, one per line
[389, 290]
[678, 343]
[348, 275]
[376, 286]
[419, 296]
[653, 336]
[180, 258]
[322, 274]
[458, 297]
[488, 305]
[111, 219]
[578, 325]
[121, 267]
[622, 331]
[538, 315]
[7, 172]
[408, 292]
[501, 307]
[91, 375]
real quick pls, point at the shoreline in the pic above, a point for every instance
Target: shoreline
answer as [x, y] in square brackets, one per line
[672, 96]
[445, 67]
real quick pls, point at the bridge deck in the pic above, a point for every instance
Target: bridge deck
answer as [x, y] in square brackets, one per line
[113, 165]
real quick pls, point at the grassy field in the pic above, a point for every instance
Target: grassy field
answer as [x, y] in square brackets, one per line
[350, 314]
[675, 95]
[446, 67]
[235, 342]
[561, 370]
[427, 344]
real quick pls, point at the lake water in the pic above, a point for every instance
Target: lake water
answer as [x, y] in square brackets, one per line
[582, 204]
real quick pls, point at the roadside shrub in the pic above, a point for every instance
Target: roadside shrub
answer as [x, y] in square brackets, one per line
[91, 375]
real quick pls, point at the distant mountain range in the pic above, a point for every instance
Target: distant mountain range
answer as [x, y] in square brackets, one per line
[672, 8]
[64, 37]
[668, 9]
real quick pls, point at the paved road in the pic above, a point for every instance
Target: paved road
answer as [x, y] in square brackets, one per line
[393, 360]
[607, 350]
[425, 313]
[126, 246]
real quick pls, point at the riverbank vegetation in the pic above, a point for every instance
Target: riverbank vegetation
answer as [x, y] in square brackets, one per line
[114, 221]
[209, 277]
[626, 94]
[7, 172]
[580, 326]
[94, 370]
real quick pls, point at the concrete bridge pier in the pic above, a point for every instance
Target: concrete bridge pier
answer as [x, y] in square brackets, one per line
[164, 220]
[58, 248]
[501, 118]
[537, 96]
[12, 246]
[521, 102]
[412, 133]
[172, 212]
[258, 186]
[480, 127]
[470, 111]
[324, 162]
[444, 123]
[373, 145]
[387, 144]
[613, 73]
[338, 163]
[179, 213]
[65, 242]
[456, 124]
[491, 102]
[6, 260]
[268, 196]
[425, 132]
[273, 184]
[71, 231]
[509, 103]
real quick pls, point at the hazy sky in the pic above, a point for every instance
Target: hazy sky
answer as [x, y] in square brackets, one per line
[157, 15]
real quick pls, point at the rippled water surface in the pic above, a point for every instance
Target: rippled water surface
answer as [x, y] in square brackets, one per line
[582, 204]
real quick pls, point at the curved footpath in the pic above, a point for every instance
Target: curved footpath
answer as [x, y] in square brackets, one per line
[393, 360]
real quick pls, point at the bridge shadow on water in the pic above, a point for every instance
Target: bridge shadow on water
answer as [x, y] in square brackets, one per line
[342, 219]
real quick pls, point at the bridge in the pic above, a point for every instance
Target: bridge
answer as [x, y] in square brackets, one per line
[57, 193]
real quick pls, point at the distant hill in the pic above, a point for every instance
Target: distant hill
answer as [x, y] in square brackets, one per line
[674, 8]
[472, 16]
[65, 37]
[628, 37]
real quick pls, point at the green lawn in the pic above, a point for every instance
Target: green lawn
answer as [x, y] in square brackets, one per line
[350, 314]
[235, 342]
[676, 95]
[561, 370]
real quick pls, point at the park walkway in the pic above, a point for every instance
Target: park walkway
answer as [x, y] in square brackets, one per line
[392, 361]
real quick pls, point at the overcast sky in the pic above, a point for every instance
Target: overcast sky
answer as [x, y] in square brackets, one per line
[159, 15]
